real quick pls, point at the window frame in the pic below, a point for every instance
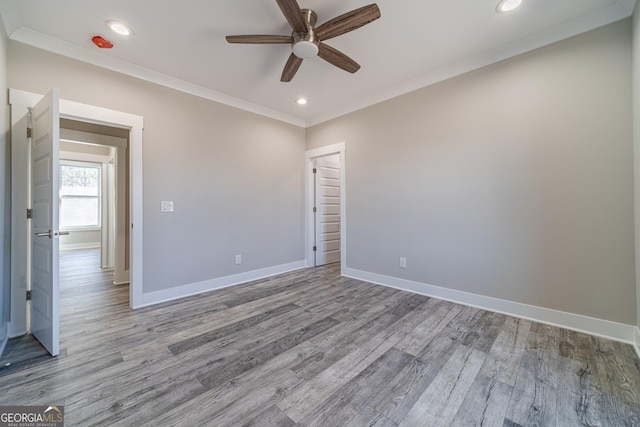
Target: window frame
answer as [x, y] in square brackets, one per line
[85, 164]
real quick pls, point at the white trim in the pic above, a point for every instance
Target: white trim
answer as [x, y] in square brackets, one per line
[135, 124]
[607, 15]
[636, 345]
[171, 294]
[310, 155]
[77, 246]
[616, 11]
[590, 325]
[74, 156]
[43, 41]
[88, 138]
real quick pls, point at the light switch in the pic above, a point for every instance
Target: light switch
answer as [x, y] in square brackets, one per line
[167, 206]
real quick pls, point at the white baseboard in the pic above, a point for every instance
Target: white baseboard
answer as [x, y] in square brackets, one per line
[157, 297]
[590, 325]
[637, 343]
[4, 337]
[76, 246]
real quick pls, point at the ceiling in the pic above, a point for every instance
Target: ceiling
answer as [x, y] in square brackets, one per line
[181, 44]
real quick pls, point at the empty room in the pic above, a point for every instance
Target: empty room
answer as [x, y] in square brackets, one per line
[320, 213]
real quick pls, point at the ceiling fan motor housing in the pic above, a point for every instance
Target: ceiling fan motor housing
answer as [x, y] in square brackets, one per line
[307, 41]
[305, 45]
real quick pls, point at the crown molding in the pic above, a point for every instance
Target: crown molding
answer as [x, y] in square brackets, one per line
[10, 14]
[620, 10]
[50, 44]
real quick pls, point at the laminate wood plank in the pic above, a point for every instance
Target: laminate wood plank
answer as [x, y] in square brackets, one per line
[314, 392]
[370, 418]
[534, 397]
[266, 291]
[220, 319]
[372, 318]
[576, 345]
[261, 395]
[270, 417]
[317, 362]
[258, 356]
[224, 396]
[578, 403]
[25, 351]
[504, 357]
[479, 331]
[619, 412]
[353, 396]
[441, 401]
[138, 407]
[420, 337]
[335, 343]
[331, 418]
[42, 382]
[190, 343]
[617, 373]
[398, 396]
[219, 408]
[485, 405]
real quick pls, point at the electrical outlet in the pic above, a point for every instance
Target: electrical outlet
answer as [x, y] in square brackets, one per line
[238, 259]
[403, 262]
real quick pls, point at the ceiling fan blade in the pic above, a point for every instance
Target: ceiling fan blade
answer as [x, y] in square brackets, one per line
[259, 39]
[290, 68]
[293, 13]
[348, 22]
[337, 58]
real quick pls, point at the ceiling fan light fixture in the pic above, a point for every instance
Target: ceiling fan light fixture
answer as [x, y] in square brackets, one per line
[508, 5]
[119, 28]
[305, 49]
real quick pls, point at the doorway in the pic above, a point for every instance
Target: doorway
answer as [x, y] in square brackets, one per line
[326, 231]
[106, 148]
[20, 103]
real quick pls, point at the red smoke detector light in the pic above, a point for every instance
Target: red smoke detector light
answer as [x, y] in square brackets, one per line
[101, 42]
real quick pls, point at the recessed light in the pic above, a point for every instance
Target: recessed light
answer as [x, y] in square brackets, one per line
[508, 5]
[119, 28]
[301, 101]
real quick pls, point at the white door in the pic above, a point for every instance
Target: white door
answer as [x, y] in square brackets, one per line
[327, 212]
[45, 124]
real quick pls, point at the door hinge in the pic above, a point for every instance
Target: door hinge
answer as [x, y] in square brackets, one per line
[29, 213]
[315, 248]
[28, 132]
[315, 170]
[28, 295]
[315, 209]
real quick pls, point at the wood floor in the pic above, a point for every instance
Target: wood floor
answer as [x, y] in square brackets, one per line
[311, 348]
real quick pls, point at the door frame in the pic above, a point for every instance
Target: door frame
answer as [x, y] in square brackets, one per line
[310, 156]
[20, 101]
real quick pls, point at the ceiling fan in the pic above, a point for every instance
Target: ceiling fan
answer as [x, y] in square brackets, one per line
[307, 40]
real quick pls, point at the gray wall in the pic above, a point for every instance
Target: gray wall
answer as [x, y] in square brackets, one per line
[236, 179]
[514, 181]
[5, 184]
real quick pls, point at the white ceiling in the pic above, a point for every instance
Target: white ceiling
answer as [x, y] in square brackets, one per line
[181, 44]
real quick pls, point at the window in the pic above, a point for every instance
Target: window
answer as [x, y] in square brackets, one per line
[79, 195]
